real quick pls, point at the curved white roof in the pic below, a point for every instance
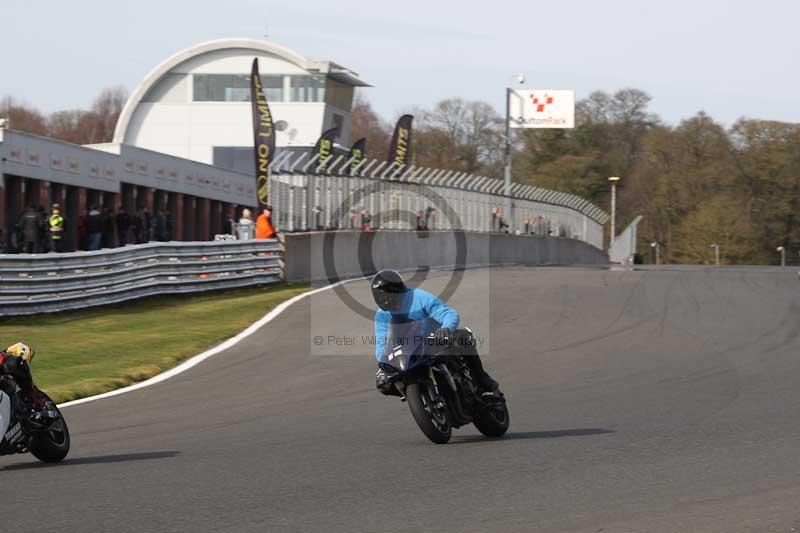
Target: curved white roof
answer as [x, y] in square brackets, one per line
[259, 45]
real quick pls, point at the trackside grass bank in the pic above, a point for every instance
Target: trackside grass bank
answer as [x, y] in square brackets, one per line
[89, 352]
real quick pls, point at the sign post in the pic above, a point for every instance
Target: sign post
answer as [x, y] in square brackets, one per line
[534, 109]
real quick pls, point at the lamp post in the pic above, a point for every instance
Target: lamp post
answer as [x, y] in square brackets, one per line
[520, 78]
[657, 248]
[782, 250]
[716, 253]
[613, 180]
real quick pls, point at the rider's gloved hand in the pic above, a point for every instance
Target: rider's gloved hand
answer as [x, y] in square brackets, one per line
[442, 335]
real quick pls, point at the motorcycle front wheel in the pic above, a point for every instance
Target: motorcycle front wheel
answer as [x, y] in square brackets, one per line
[492, 419]
[432, 420]
[52, 444]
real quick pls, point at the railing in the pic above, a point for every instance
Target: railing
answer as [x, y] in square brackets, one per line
[45, 283]
[391, 197]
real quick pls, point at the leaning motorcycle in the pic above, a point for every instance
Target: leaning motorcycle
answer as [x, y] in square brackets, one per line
[42, 432]
[438, 386]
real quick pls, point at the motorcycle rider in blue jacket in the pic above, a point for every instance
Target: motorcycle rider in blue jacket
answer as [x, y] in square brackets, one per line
[396, 302]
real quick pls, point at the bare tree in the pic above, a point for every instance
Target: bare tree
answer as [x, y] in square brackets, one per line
[23, 117]
[365, 122]
[76, 126]
[66, 126]
[460, 135]
[99, 122]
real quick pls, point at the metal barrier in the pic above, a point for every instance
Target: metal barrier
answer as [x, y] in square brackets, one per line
[391, 197]
[45, 283]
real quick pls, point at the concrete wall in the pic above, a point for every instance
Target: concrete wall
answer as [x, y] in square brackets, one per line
[354, 253]
[624, 246]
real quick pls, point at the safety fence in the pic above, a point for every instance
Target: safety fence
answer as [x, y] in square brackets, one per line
[46, 283]
[344, 194]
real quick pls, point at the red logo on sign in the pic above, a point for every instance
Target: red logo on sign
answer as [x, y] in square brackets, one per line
[541, 103]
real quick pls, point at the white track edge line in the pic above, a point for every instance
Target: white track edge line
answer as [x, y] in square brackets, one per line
[199, 358]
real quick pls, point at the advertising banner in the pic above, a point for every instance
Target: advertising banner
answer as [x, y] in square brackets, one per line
[324, 148]
[264, 135]
[542, 109]
[400, 149]
[357, 153]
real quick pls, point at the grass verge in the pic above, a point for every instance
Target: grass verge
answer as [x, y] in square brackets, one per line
[88, 352]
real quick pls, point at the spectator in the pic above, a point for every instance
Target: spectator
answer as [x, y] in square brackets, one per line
[317, 211]
[246, 227]
[230, 225]
[147, 226]
[160, 226]
[264, 228]
[495, 219]
[108, 228]
[94, 229]
[30, 226]
[501, 222]
[83, 236]
[430, 212]
[15, 239]
[366, 220]
[123, 226]
[43, 239]
[421, 225]
[55, 225]
[138, 227]
[168, 224]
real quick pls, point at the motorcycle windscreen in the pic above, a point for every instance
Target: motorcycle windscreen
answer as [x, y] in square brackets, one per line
[404, 340]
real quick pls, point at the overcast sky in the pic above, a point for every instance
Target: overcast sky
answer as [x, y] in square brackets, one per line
[729, 58]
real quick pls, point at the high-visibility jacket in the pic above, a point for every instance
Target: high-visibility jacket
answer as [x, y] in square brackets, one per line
[264, 228]
[56, 223]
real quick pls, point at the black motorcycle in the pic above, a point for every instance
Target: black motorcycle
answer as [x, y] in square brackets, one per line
[437, 383]
[42, 432]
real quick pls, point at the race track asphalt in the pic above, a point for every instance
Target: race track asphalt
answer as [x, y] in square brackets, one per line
[655, 400]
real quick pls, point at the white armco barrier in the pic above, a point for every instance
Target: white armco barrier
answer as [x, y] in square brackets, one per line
[45, 283]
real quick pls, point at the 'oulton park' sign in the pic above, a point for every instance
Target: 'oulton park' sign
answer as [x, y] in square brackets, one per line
[542, 109]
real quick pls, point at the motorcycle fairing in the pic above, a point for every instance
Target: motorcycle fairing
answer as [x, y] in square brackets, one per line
[5, 414]
[405, 345]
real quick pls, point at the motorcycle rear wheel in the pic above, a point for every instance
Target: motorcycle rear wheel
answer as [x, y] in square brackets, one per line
[431, 420]
[52, 445]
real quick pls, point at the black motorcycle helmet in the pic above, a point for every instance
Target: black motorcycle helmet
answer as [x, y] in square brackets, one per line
[388, 289]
